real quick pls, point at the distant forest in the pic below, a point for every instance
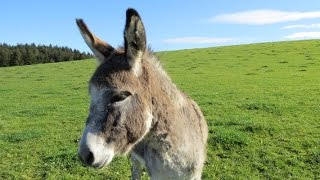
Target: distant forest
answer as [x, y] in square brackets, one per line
[26, 54]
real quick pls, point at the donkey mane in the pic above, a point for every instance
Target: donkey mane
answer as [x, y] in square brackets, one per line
[167, 99]
[152, 62]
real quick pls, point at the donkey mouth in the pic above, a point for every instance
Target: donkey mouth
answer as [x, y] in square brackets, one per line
[91, 162]
[102, 164]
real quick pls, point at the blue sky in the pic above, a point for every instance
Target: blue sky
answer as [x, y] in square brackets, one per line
[169, 24]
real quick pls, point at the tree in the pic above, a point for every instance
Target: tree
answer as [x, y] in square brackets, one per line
[24, 54]
[15, 58]
[29, 57]
[4, 57]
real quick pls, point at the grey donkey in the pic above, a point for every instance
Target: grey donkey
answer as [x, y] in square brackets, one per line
[135, 108]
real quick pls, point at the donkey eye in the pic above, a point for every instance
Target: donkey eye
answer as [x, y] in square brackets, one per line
[120, 96]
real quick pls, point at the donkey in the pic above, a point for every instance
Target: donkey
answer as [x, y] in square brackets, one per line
[135, 108]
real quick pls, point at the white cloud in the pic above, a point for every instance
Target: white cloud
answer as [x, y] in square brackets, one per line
[302, 26]
[304, 35]
[198, 40]
[262, 17]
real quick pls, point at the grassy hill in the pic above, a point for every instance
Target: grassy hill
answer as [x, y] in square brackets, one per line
[261, 101]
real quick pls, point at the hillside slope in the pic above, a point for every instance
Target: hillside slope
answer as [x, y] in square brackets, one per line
[261, 102]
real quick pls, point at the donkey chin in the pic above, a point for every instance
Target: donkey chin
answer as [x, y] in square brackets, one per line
[94, 151]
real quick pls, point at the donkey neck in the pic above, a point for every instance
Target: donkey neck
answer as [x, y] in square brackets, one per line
[166, 98]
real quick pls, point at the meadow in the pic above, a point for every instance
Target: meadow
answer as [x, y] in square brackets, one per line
[261, 102]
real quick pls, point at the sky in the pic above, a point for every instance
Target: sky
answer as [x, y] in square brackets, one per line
[170, 25]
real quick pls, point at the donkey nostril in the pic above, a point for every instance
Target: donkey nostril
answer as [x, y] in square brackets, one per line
[90, 158]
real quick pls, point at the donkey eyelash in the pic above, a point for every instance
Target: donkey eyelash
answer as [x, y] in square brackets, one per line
[120, 96]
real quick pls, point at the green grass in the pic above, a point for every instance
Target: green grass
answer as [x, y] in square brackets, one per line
[261, 102]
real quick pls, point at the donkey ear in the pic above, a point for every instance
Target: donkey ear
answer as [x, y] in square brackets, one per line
[101, 49]
[134, 37]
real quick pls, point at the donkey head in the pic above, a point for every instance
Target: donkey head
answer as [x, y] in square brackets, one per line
[120, 112]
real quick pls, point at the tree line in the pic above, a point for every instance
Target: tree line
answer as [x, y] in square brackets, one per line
[26, 54]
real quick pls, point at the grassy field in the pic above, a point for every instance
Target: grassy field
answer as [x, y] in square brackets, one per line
[261, 102]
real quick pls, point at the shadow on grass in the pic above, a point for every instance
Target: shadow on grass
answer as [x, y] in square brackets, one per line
[228, 138]
[21, 136]
[265, 107]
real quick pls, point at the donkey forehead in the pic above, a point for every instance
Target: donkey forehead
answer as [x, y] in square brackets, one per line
[114, 79]
[99, 90]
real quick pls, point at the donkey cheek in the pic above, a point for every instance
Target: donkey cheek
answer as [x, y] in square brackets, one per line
[135, 130]
[131, 137]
